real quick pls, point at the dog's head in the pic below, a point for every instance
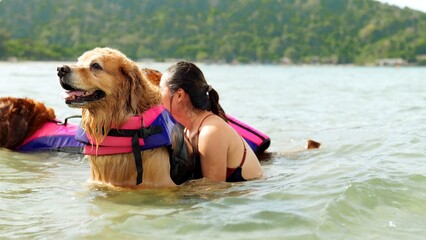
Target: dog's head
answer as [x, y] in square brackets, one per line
[105, 78]
[109, 88]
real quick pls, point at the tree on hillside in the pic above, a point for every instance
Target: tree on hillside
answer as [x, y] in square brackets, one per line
[4, 36]
[264, 31]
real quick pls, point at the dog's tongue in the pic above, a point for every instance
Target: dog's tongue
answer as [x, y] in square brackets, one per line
[73, 94]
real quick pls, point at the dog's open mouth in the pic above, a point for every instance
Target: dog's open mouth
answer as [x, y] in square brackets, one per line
[79, 97]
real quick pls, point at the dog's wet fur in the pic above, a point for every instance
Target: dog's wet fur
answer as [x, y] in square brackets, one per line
[110, 88]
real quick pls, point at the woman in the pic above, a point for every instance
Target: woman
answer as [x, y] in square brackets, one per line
[222, 152]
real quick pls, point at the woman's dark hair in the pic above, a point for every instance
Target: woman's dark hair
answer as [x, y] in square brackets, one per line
[191, 79]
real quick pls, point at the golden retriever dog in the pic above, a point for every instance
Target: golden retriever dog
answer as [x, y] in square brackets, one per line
[20, 118]
[110, 88]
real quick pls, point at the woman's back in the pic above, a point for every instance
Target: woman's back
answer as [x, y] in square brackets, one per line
[220, 143]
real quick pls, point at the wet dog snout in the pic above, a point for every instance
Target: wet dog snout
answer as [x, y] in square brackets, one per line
[63, 70]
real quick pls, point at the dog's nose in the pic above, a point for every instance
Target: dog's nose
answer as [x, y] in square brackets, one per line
[64, 70]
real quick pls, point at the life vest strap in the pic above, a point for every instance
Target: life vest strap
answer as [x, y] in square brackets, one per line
[138, 158]
[142, 132]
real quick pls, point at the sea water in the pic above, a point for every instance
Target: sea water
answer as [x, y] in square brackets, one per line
[367, 181]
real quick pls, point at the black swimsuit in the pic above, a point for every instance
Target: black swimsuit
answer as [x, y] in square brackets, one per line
[232, 174]
[235, 174]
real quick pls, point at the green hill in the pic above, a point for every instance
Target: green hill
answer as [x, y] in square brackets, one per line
[265, 31]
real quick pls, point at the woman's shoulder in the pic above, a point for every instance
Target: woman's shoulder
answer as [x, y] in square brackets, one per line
[215, 126]
[214, 121]
[215, 136]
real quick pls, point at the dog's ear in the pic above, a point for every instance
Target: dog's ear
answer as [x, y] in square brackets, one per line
[134, 86]
[13, 122]
[17, 129]
[152, 75]
[5, 109]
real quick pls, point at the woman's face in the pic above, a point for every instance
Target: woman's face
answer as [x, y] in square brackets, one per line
[166, 93]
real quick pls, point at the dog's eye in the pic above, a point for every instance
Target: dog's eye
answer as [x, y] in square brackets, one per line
[96, 66]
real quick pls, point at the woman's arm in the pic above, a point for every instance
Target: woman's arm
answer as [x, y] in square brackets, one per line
[213, 147]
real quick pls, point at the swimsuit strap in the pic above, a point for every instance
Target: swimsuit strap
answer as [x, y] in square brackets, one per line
[242, 140]
[244, 154]
[195, 143]
[230, 171]
[198, 132]
[202, 121]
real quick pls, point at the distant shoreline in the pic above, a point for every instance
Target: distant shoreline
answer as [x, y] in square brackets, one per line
[171, 61]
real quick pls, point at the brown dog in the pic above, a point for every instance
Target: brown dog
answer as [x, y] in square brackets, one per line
[20, 118]
[110, 88]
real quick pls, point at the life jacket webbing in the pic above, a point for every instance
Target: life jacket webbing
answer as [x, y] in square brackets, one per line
[138, 158]
[142, 132]
[149, 130]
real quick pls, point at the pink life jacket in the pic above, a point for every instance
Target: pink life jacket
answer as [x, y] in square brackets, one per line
[257, 140]
[153, 129]
[53, 136]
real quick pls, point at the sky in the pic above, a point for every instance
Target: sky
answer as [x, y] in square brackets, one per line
[414, 4]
